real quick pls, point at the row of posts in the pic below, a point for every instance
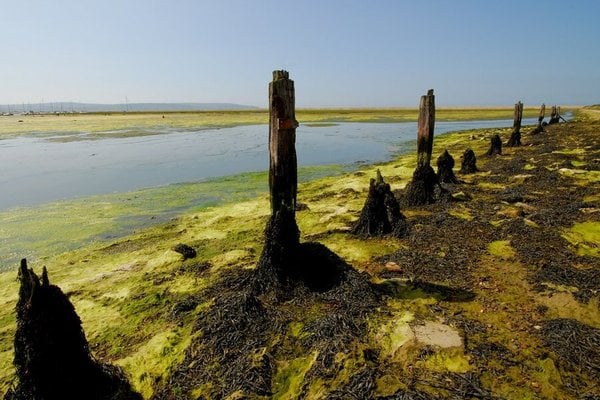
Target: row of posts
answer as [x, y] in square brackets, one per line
[282, 137]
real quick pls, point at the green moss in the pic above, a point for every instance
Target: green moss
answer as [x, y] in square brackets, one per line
[490, 186]
[393, 334]
[585, 238]
[296, 328]
[462, 213]
[502, 249]
[448, 360]
[548, 379]
[357, 250]
[158, 355]
[570, 152]
[289, 376]
[582, 176]
[387, 385]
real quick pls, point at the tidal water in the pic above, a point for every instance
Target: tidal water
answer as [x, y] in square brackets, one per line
[38, 169]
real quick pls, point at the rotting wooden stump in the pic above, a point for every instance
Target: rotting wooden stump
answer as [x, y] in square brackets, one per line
[495, 146]
[540, 127]
[381, 214]
[468, 164]
[421, 188]
[555, 115]
[282, 236]
[515, 136]
[445, 163]
[52, 357]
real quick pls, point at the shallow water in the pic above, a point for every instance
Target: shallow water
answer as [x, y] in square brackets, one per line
[39, 168]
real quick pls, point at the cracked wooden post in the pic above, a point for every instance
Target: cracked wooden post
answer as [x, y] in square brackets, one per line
[540, 128]
[283, 176]
[420, 189]
[282, 237]
[554, 115]
[515, 137]
[425, 129]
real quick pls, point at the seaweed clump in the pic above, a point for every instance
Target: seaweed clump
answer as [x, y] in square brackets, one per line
[381, 213]
[52, 356]
[469, 162]
[445, 163]
[421, 189]
[495, 146]
[247, 329]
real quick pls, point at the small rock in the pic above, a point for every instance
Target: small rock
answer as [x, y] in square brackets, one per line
[393, 267]
[185, 250]
[461, 196]
[537, 327]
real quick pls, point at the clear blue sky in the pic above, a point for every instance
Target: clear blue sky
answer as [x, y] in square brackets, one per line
[340, 53]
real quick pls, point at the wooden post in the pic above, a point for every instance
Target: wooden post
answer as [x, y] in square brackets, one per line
[283, 174]
[515, 137]
[554, 116]
[540, 128]
[518, 116]
[425, 129]
[420, 190]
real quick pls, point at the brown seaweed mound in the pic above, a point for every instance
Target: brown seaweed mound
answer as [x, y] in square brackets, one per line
[445, 163]
[52, 357]
[469, 162]
[421, 189]
[381, 213]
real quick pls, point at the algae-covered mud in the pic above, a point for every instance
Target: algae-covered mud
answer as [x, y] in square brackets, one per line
[493, 295]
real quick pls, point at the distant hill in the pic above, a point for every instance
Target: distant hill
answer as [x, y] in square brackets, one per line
[132, 107]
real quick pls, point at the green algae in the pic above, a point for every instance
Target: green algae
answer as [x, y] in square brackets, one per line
[289, 376]
[447, 360]
[462, 212]
[502, 249]
[157, 355]
[30, 232]
[392, 335]
[585, 238]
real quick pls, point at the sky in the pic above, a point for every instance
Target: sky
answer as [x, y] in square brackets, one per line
[369, 53]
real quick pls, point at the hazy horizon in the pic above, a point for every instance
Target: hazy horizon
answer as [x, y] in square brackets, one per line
[340, 54]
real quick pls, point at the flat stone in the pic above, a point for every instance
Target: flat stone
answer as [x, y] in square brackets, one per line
[437, 334]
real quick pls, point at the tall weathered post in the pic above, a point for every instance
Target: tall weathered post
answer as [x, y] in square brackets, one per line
[515, 136]
[540, 128]
[421, 189]
[554, 116]
[282, 236]
[283, 176]
[425, 129]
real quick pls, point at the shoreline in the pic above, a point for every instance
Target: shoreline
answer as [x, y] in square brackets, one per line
[116, 215]
[125, 290]
[98, 123]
